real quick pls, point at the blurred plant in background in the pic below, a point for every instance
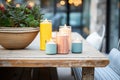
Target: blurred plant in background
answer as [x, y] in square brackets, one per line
[19, 15]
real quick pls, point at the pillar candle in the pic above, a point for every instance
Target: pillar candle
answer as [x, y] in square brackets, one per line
[76, 46]
[66, 30]
[51, 47]
[54, 35]
[62, 43]
[45, 33]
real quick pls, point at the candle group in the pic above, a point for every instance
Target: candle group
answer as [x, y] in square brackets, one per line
[45, 33]
[61, 41]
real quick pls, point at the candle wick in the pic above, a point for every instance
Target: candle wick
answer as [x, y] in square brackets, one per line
[51, 40]
[46, 20]
[65, 25]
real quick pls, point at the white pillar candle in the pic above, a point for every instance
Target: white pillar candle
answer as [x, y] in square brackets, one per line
[54, 35]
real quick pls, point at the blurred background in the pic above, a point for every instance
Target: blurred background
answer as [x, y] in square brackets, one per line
[84, 16]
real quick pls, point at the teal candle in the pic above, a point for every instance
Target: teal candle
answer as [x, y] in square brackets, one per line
[76, 47]
[51, 47]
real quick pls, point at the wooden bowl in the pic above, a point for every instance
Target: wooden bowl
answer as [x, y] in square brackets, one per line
[17, 38]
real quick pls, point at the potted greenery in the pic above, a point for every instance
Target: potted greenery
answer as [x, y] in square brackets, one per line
[18, 24]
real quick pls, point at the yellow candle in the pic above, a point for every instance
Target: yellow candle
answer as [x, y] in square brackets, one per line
[45, 33]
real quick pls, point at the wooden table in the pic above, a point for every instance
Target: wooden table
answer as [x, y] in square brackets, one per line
[33, 57]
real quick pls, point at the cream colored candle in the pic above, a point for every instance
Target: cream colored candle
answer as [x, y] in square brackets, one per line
[66, 30]
[45, 33]
[54, 35]
[62, 43]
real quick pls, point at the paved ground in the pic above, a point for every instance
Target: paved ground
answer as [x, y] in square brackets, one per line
[64, 74]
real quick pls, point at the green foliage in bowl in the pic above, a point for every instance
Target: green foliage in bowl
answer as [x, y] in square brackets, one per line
[16, 15]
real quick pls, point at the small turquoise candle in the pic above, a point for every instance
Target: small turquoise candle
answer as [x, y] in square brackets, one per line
[77, 46]
[51, 48]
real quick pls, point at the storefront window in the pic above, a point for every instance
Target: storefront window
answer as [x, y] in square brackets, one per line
[114, 23]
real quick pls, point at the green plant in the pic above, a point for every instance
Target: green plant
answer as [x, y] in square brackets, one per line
[16, 15]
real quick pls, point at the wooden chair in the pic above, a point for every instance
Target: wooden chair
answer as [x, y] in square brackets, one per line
[112, 71]
[96, 39]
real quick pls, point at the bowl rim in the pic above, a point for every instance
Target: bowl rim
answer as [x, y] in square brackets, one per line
[18, 29]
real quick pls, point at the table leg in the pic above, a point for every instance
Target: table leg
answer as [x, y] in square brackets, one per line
[88, 73]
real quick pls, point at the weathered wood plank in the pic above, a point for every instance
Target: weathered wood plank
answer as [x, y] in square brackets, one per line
[53, 63]
[88, 73]
[24, 54]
